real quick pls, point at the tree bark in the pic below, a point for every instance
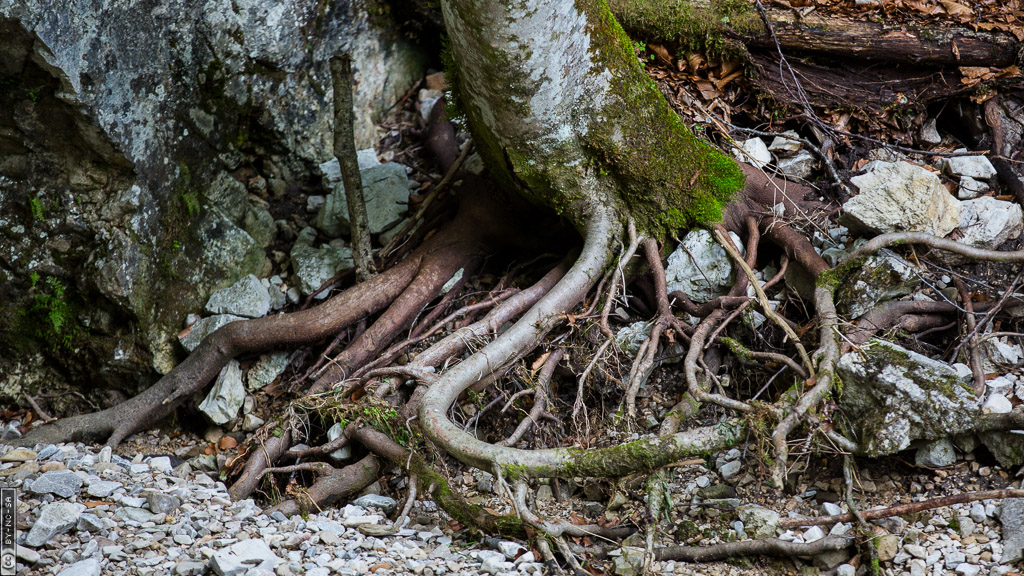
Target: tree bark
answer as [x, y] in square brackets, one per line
[345, 152]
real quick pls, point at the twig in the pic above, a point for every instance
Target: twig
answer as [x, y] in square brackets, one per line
[42, 413]
[903, 509]
[345, 152]
[726, 242]
[972, 343]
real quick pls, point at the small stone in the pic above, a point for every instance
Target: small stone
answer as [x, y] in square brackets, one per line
[783, 144]
[89, 523]
[161, 503]
[846, 570]
[978, 512]
[63, 483]
[54, 519]
[378, 502]
[700, 268]
[227, 395]
[813, 533]
[510, 549]
[759, 522]
[976, 166]
[247, 298]
[901, 197]
[618, 500]
[969, 188]
[800, 165]
[205, 327]
[19, 455]
[161, 464]
[87, 567]
[753, 151]
[937, 454]
[544, 493]
[731, 470]
[244, 556]
[929, 134]
[965, 569]
[997, 404]
[27, 555]
[266, 370]
[831, 509]
[189, 569]
[251, 423]
[888, 546]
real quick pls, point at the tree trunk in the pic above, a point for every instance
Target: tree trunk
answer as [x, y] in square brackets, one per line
[561, 108]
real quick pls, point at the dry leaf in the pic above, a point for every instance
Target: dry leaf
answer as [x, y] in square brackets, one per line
[540, 361]
[956, 9]
[227, 443]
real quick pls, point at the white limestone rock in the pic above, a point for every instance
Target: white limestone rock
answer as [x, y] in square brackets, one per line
[227, 395]
[894, 396]
[247, 297]
[705, 274]
[901, 197]
[753, 151]
[977, 166]
[988, 223]
[386, 193]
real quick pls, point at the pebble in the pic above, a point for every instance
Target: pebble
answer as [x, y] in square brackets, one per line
[183, 522]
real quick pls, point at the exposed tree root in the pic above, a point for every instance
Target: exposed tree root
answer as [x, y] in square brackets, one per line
[766, 547]
[903, 509]
[331, 486]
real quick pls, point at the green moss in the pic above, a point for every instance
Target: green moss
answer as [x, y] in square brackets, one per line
[52, 317]
[668, 178]
[458, 508]
[694, 28]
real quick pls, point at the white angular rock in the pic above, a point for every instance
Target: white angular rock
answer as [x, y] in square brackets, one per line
[753, 151]
[813, 533]
[759, 522]
[969, 188]
[977, 166]
[708, 273]
[87, 567]
[629, 338]
[227, 395]
[929, 134]
[266, 370]
[63, 483]
[997, 404]
[314, 266]
[54, 519]
[782, 144]
[205, 327]
[799, 165]
[883, 276]
[901, 197]
[386, 192]
[343, 453]
[247, 298]
[243, 556]
[894, 396]
[937, 454]
[987, 222]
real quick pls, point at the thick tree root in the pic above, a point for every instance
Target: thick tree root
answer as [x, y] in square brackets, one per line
[333, 486]
[213, 353]
[766, 547]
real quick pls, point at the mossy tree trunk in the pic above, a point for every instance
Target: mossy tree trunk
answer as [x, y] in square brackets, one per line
[562, 109]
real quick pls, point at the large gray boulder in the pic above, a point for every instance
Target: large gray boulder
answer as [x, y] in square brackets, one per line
[143, 149]
[894, 396]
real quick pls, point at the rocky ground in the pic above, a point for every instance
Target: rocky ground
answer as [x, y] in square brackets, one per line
[86, 511]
